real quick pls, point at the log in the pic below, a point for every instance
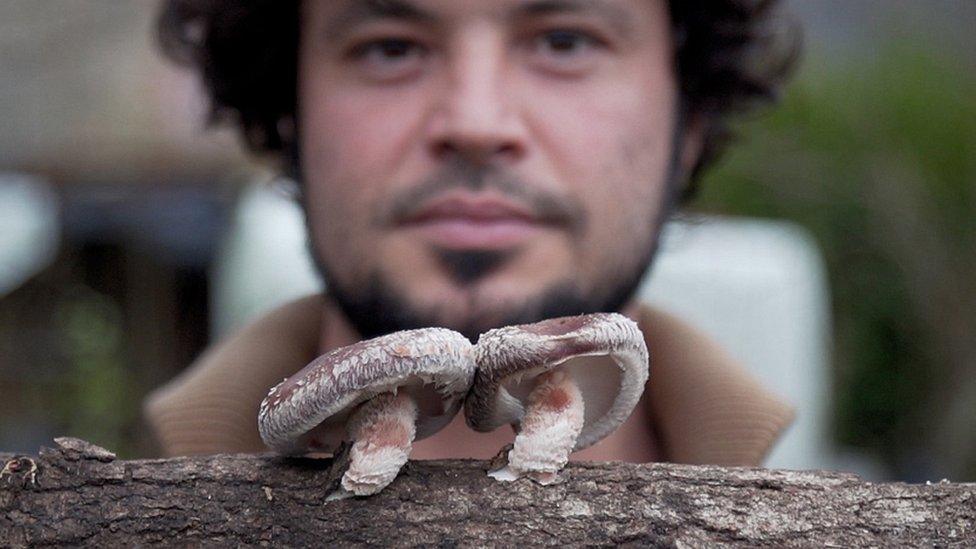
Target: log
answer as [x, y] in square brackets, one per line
[79, 494]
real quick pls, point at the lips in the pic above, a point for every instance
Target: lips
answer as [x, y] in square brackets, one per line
[471, 208]
[470, 222]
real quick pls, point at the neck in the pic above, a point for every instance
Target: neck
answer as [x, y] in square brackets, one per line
[632, 310]
[338, 332]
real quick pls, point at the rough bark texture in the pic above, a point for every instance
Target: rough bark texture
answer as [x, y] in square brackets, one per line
[81, 495]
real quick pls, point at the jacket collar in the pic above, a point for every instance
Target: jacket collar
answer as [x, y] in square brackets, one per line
[706, 408]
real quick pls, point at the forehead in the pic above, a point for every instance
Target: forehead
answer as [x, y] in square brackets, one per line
[345, 13]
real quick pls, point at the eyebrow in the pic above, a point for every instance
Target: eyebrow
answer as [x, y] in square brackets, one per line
[616, 16]
[358, 12]
[550, 7]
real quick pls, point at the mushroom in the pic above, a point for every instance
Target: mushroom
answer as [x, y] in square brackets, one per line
[566, 383]
[381, 394]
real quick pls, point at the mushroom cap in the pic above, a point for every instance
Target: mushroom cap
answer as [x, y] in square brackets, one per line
[604, 352]
[308, 411]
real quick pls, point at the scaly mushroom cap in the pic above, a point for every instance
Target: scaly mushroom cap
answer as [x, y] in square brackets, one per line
[308, 411]
[605, 354]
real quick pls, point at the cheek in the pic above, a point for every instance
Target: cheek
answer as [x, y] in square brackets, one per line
[614, 152]
[352, 146]
[354, 136]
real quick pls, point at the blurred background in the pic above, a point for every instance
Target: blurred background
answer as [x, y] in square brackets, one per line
[121, 216]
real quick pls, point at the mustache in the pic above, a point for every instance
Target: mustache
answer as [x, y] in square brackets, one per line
[546, 206]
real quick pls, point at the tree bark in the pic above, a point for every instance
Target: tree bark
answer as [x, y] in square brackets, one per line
[79, 494]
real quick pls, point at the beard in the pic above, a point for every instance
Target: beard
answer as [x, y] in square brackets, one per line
[376, 306]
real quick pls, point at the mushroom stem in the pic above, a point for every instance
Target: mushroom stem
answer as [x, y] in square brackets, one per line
[382, 430]
[553, 420]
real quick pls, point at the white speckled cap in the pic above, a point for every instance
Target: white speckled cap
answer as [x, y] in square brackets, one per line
[605, 354]
[307, 411]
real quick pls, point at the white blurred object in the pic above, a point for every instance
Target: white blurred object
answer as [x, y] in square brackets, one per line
[263, 261]
[757, 287]
[29, 229]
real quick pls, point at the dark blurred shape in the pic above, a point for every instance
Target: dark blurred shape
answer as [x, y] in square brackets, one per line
[123, 309]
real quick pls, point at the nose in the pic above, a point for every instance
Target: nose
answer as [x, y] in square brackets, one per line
[475, 117]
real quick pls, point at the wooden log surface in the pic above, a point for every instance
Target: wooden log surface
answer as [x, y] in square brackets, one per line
[79, 494]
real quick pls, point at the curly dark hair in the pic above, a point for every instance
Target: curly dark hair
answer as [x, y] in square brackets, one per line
[731, 57]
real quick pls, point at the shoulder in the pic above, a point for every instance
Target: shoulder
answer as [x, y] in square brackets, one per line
[708, 407]
[212, 406]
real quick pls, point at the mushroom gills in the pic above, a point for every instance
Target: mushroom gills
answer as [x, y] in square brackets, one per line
[598, 377]
[382, 430]
[435, 410]
[554, 417]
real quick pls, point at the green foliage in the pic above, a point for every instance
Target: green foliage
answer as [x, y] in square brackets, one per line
[878, 162]
[97, 401]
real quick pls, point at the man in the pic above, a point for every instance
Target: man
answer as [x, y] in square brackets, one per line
[473, 164]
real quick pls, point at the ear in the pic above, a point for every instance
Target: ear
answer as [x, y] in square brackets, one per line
[286, 129]
[693, 142]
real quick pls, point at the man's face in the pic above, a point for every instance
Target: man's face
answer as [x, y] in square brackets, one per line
[472, 163]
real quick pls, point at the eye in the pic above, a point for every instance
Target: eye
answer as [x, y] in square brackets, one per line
[388, 58]
[386, 49]
[565, 51]
[564, 42]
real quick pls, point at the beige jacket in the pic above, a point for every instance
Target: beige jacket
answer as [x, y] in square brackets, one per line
[705, 408]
